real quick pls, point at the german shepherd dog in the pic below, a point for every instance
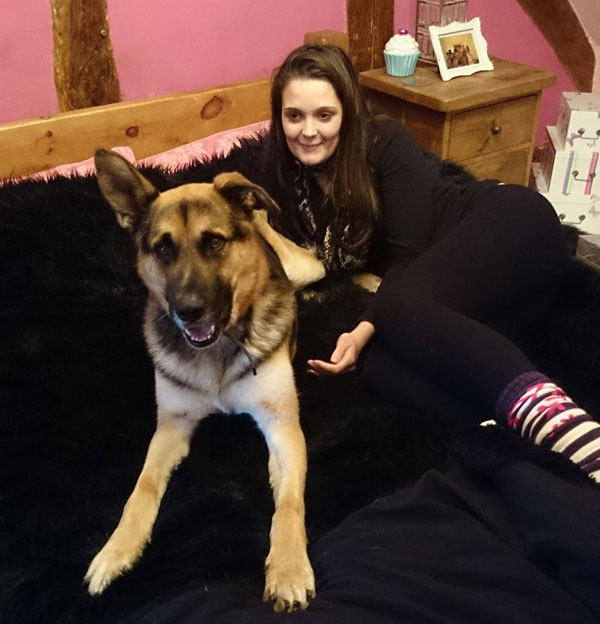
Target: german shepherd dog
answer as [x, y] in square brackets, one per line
[219, 325]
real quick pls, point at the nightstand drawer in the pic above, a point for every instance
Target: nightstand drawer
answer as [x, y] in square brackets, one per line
[492, 128]
[507, 166]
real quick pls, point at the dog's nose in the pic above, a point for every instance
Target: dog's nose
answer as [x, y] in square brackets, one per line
[190, 314]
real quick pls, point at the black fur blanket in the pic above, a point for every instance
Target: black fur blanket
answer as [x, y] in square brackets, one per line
[77, 412]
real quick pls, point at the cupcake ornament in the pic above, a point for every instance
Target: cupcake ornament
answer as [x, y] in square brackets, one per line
[401, 53]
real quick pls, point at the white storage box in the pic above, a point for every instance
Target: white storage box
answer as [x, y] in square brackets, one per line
[568, 172]
[578, 125]
[580, 210]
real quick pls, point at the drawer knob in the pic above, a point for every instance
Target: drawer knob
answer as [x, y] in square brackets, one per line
[496, 129]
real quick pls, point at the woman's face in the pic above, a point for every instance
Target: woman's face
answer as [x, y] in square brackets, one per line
[311, 115]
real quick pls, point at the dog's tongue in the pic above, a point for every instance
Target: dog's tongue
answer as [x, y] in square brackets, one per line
[200, 333]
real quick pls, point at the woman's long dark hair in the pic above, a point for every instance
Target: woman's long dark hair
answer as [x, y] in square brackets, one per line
[352, 194]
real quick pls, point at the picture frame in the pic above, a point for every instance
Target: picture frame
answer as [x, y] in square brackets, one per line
[460, 49]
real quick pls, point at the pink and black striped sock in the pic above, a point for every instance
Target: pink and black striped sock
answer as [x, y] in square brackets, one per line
[542, 413]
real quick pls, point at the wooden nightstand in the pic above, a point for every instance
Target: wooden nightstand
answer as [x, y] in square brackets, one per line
[486, 122]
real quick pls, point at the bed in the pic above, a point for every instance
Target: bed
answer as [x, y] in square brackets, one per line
[76, 385]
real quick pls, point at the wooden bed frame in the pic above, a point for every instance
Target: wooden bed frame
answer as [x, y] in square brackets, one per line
[148, 126]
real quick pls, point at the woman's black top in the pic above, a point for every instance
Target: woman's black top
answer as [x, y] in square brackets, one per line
[420, 199]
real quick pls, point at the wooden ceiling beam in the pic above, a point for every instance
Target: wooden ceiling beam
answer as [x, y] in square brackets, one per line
[561, 27]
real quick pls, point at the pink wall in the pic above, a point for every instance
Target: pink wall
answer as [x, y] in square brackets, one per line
[26, 80]
[511, 35]
[165, 47]
[160, 47]
[184, 45]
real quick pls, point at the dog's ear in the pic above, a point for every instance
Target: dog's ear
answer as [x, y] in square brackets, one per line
[125, 189]
[235, 188]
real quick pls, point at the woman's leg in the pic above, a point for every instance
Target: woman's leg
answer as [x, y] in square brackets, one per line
[444, 317]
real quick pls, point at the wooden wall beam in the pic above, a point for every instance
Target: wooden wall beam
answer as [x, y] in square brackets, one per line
[370, 25]
[561, 27]
[85, 72]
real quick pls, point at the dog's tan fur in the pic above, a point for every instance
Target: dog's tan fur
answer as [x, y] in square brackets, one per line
[214, 250]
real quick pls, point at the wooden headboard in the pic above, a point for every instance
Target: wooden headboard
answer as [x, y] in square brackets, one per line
[148, 126]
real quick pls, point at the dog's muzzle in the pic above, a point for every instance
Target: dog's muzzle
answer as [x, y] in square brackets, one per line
[199, 336]
[197, 332]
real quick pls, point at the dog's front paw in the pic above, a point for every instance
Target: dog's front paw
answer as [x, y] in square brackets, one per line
[111, 562]
[289, 585]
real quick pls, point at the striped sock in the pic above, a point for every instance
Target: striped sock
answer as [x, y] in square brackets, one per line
[545, 415]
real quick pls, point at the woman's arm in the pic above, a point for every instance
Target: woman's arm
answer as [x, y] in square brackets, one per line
[347, 350]
[405, 184]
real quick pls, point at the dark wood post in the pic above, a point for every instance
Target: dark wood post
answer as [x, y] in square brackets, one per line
[370, 25]
[85, 73]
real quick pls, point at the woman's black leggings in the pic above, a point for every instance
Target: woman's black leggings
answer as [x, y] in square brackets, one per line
[445, 316]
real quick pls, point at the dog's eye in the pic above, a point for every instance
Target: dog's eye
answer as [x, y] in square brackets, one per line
[163, 252]
[215, 243]
[164, 248]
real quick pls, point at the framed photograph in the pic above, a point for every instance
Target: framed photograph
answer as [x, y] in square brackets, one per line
[460, 49]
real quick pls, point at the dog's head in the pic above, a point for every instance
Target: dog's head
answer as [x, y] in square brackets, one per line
[198, 252]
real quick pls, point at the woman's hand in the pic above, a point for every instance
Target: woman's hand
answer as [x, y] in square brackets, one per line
[346, 352]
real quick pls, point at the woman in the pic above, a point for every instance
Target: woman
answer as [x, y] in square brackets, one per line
[463, 261]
